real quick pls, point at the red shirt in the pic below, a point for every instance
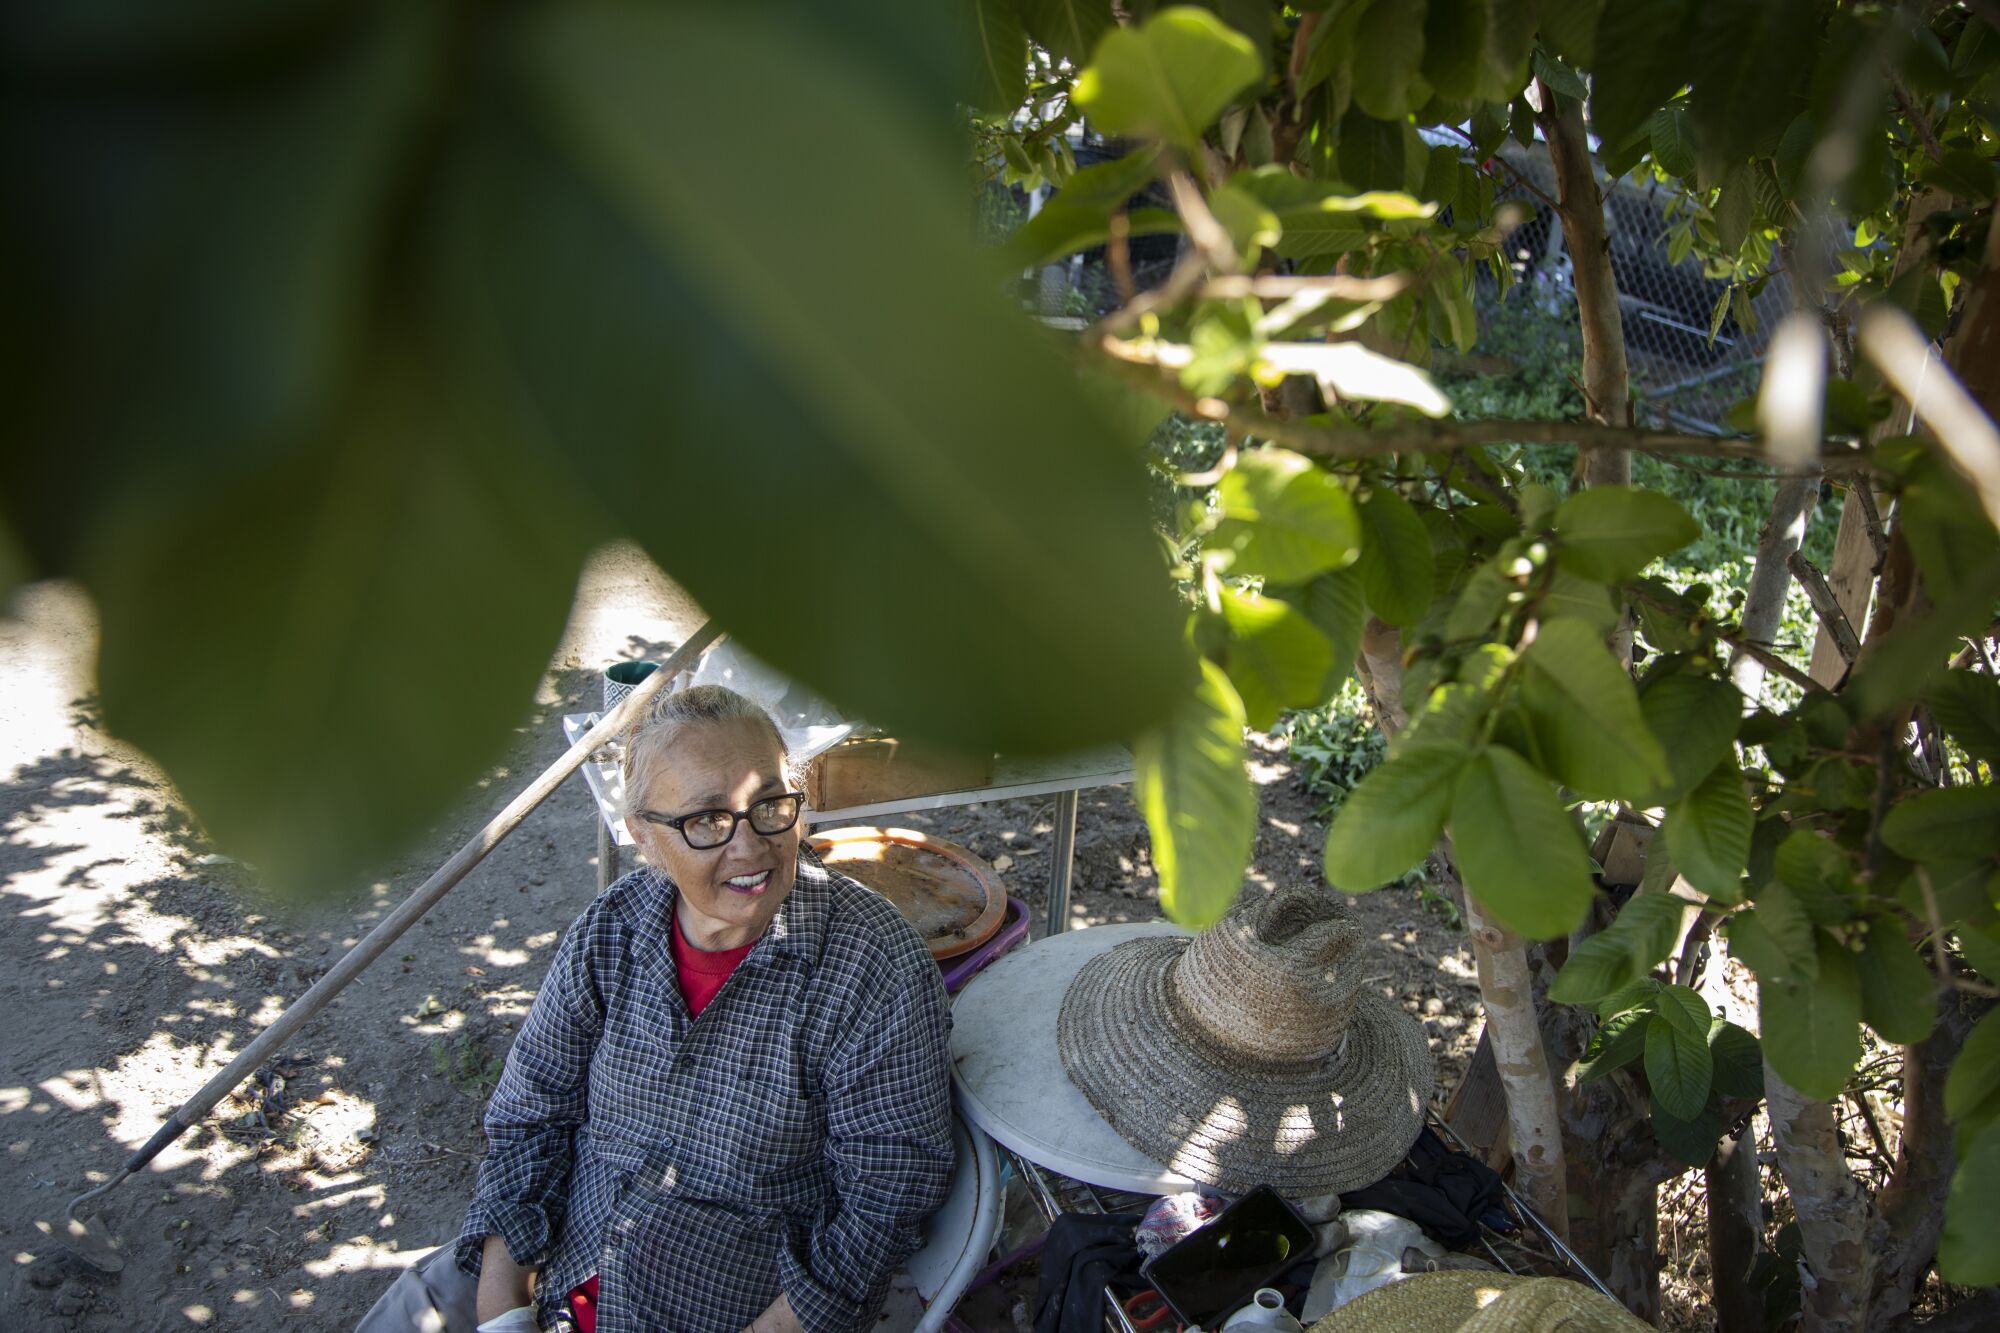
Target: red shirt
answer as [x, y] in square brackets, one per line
[701, 974]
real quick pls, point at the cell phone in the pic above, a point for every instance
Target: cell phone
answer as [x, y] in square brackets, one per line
[1209, 1274]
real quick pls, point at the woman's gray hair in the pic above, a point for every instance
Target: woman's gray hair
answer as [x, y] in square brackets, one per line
[648, 739]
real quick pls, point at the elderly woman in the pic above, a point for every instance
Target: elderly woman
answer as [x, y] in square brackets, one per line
[728, 1108]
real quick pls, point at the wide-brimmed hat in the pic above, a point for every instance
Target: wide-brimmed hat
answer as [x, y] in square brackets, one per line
[1464, 1302]
[1254, 1053]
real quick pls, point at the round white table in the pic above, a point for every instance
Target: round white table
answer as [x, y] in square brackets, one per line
[1009, 1074]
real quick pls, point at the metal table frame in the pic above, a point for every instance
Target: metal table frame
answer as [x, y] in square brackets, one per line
[1063, 776]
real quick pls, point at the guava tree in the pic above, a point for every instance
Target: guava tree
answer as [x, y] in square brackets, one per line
[1492, 616]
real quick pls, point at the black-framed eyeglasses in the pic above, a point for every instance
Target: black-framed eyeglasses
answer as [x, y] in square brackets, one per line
[705, 830]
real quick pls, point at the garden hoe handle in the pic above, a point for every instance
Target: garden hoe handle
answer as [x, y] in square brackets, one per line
[440, 883]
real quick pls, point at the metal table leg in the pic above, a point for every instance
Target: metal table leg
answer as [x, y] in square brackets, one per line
[607, 856]
[1060, 858]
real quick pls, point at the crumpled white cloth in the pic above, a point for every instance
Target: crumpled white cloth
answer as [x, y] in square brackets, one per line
[520, 1319]
[1372, 1257]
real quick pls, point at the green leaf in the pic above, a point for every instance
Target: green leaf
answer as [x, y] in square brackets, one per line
[1067, 29]
[1963, 172]
[1955, 822]
[1569, 27]
[1199, 805]
[686, 312]
[1735, 203]
[1684, 1008]
[1673, 141]
[1969, 1249]
[1910, 657]
[1701, 714]
[1738, 1059]
[1708, 832]
[1391, 820]
[1252, 227]
[1559, 77]
[1619, 1042]
[1679, 1069]
[1002, 50]
[1639, 61]
[257, 639]
[1586, 712]
[1967, 705]
[1455, 46]
[1319, 217]
[1817, 871]
[1573, 597]
[1812, 1030]
[1776, 939]
[1736, 46]
[1517, 847]
[1285, 518]
[1973, 1086]
[1631, 946]
[1981, 947]
[1336, 607]
[1389, 45]
[1638, 995]
[1898, 993]
[1609, 533]
[1170, 77]
[1079, 214]
[1371, 153]
[1277, 659]
[1395, 564]
[1692, 1140]
[1351, 370]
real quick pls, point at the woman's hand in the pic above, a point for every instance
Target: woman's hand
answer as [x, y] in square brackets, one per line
[503, 1284]
[778, 1318]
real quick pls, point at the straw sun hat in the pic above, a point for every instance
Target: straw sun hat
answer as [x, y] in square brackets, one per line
[1253, 1053]
[1465, 1302]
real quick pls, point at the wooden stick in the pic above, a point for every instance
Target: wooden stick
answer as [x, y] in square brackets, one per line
[412, 908]
[1825, 605]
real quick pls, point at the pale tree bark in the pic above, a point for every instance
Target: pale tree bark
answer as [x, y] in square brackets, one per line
[1835, 1214]
[1581, 205]
[1856, 555]
[1506, 986]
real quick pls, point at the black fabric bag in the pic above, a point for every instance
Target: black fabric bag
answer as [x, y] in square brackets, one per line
[1083, 1254]
[1446, 1193]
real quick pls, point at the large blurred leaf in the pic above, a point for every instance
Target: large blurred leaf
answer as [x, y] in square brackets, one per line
[1067, 29]
[1968, 1251]
[1285, 517]
[1708, 831]
[202, 250]
[1335, 605]
[1898, 993]
[1972, 1089]
[1609, 533]
[1200, 808]
[1775, 939]
[760, 417]
[1277, 658]
[1744, 65]
[1816, 869]
[1318, 217]
[1389, 50]
[1079, 214]
[1392, 818]
[1954, 823]
[1641, 60]
[1569, 28]
[1701, 715]
[1642, 934]
[1812, 1030]
[327, 652]
[1002, 48]
[1967, 705]
[1169, 77]
[1586, 713]
[1395, 564]
[1519, 851]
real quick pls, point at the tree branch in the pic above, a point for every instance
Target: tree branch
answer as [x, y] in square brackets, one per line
[1825, 605]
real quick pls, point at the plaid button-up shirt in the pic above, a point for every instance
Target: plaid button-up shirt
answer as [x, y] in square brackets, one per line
[793, 1138]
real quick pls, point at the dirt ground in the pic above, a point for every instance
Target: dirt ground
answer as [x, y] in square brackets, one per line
[142, 962]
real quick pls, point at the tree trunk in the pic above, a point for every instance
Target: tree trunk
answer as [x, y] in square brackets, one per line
[1771, 578]
[1581, 206]
[1735, 1232]
[1506, 986]
[1836, 1217]
[1534, 1124]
